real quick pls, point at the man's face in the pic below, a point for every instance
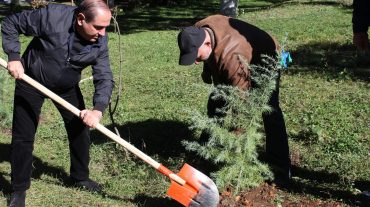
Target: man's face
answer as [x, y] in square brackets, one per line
[94, 29]
[204, 51]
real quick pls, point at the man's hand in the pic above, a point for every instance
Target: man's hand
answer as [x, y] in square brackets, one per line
[91, 117]
[15, 69]
[361, 41]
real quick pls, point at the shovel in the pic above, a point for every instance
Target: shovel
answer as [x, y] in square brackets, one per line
[189, 187]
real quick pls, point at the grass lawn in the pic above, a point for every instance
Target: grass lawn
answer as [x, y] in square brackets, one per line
[324, 95]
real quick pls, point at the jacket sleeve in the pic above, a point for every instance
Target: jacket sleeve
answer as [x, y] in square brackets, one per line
[28, 22]
[234, 62]
[103, 78]
[238, 72]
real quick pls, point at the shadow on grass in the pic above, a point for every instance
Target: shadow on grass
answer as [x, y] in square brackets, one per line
[173, 17]
[332, 59]
[145, 17]
[148, 18]
[39, 168]
[269, 4]
[7, 9]
[323, 184]
[147, 201]
[159, 138]
[4, 157]
[176, 15]
[152, 136]
[134, 17]
[317, 183]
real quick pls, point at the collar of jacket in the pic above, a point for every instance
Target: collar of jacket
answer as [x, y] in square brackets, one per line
[212, 35]
[72, 28]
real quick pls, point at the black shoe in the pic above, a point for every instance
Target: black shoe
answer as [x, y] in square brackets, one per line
[282, 183]
[282, 179]
[18, 199]
[89, 185]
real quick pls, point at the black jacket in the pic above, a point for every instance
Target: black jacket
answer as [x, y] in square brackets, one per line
[48, 57]
[361, 15]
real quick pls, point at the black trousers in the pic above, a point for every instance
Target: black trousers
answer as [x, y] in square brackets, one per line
[27, 107]
[277, 148]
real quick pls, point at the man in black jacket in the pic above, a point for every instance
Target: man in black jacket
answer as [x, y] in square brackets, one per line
[66, 40]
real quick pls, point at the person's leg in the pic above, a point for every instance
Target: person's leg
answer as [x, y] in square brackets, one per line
[79, 140]
[27, 108]
[78, 134]
[277, 148]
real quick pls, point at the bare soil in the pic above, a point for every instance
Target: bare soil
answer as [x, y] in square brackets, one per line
[269, 195]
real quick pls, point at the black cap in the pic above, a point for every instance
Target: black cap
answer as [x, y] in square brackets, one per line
[189, 40]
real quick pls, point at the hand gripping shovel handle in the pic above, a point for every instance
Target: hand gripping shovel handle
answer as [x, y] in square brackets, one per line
[101, 128]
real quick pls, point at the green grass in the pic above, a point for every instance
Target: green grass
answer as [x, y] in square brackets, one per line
[324, 97]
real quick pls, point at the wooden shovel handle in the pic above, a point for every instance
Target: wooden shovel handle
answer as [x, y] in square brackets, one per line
[100, 127]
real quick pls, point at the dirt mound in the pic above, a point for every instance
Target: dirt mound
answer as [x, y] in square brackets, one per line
[269, 195]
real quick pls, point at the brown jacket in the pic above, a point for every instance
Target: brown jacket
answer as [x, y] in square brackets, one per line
[232, 38]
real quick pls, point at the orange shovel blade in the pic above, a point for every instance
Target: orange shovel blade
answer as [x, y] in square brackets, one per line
[198, 191]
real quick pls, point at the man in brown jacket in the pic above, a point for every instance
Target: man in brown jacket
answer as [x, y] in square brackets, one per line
[217, 41]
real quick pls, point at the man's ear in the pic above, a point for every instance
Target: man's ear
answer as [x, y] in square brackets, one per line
[80, 18]
[208, 44]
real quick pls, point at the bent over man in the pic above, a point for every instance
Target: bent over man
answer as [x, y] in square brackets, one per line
[217, 41]
[66, 40]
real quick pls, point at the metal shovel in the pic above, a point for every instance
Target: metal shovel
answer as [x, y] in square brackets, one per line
[189, 187]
